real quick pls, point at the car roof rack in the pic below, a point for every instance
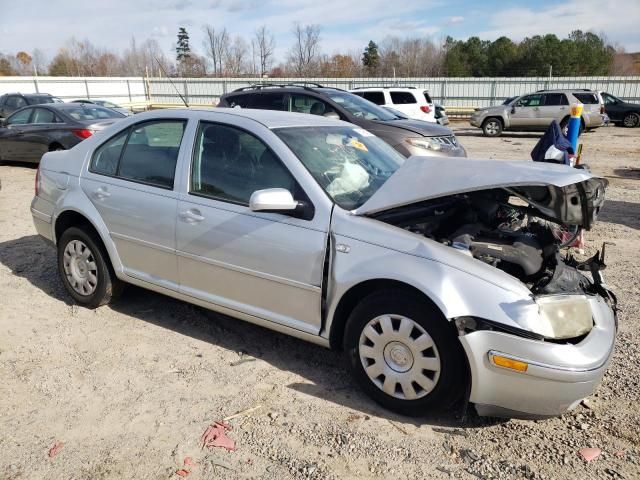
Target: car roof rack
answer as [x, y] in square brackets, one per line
[259, 86]
[385, 86]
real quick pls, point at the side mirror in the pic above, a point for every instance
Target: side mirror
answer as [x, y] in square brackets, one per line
[3, 123]
[333, 115]
[272, 200]
[280, 200]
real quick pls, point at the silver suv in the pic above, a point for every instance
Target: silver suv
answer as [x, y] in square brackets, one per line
[316, 228]
[535, 111]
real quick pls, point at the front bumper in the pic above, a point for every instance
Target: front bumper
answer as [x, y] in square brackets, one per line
[558, 376]
[476, 120]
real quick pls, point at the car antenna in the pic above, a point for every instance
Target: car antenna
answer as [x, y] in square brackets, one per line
[172, 84]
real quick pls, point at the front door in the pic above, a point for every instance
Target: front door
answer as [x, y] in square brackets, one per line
[131, 183]
[267, 265]
[526, 112]
[11, 136]
[555, 107]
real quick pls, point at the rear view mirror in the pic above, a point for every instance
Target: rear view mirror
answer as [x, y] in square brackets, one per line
[272, 200]
[333, 115]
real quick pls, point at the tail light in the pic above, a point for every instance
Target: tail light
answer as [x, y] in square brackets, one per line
[425, 108]
[82, 132]
[37, 185]
[601, 109]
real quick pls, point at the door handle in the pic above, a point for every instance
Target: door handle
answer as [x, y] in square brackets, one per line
[101, 193]
[191, 216]
[536, 108]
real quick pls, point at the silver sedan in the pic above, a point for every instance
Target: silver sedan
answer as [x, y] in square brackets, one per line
[442, 280]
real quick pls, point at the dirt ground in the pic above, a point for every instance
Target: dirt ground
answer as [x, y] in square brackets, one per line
[129, 389]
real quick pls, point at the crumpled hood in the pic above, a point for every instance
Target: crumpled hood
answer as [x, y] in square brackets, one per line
[569, 195]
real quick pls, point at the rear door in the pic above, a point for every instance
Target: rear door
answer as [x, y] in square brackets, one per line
[555, 107]
[130, 181]
[266, 265]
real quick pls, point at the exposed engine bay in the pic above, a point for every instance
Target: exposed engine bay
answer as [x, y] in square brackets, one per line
[515, 230]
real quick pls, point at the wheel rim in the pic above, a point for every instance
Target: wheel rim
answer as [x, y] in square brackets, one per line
[80, 267]
[492, 128]
[631, 120]
[399, 357]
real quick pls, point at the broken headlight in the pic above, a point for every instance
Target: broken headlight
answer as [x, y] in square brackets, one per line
[563, 316]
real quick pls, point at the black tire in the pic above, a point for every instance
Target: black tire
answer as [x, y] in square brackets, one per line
[492, 127]
[631, 120]
[452, 379]
[107, 286]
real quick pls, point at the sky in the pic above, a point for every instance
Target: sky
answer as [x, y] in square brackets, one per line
[346, 25]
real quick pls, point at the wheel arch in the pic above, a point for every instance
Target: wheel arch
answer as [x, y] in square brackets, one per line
[357, 293]
[72, 218]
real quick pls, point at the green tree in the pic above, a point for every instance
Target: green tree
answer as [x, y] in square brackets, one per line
[371, 56]
[6, 69]
[502, 57]
[183, 50]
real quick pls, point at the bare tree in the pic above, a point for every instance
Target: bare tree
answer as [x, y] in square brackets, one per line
[216, 44]
[264, 44]
[306, 48]
[236, 56]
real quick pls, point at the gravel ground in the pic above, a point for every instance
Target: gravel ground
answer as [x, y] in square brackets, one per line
[129, 389]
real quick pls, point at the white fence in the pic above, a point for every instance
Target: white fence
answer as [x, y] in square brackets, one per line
[451, 91]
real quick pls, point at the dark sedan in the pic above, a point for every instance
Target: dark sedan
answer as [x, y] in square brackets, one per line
[621, 112]
[32, 131]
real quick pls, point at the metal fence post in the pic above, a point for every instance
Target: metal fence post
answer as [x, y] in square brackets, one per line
[35, 83]
[86, 87]
[129, 90]
[186, 92]
[224, 86]
[443, 91]
[493, 91]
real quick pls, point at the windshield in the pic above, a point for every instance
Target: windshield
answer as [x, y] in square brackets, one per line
[91, 112]
[349, 163]
[359, 107]
[508, 100]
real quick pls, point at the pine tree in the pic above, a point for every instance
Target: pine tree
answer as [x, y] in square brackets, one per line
[183, 51]
[371, 57]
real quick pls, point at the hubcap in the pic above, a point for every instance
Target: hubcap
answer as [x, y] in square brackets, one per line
[80, 267]
[399, 357]
[492, 128]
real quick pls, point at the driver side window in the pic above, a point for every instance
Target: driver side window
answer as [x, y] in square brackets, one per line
[312, 105]
[530, 101]
[20, 118]
[229, 164]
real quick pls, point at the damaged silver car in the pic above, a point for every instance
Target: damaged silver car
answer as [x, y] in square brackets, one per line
[442, 280]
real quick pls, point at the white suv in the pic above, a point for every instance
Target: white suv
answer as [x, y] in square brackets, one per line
[412, 102]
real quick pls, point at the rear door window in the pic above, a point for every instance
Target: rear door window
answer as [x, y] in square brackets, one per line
[553, 99]
[375, 97]
[402, 98]
[144, 153]
[267, 101]
[587, 98]
[14, 102]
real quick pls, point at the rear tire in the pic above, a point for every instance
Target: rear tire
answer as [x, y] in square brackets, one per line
[631, 120]
[403, 353]
[85, 269]
[492, 127]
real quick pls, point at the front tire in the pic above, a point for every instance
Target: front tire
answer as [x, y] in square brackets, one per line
[492, 127]
[403, 353]
[85, 270]
[631, 120]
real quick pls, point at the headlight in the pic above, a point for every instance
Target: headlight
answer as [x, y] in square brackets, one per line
[426, 143]
[563, 316]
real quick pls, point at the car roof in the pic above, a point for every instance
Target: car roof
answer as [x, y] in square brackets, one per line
[268, 118]
[29, 94]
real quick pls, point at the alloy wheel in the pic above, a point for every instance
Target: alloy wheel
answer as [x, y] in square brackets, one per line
[632, 120]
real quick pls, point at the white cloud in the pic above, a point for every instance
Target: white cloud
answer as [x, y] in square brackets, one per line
[618, 19]
[456, 19]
